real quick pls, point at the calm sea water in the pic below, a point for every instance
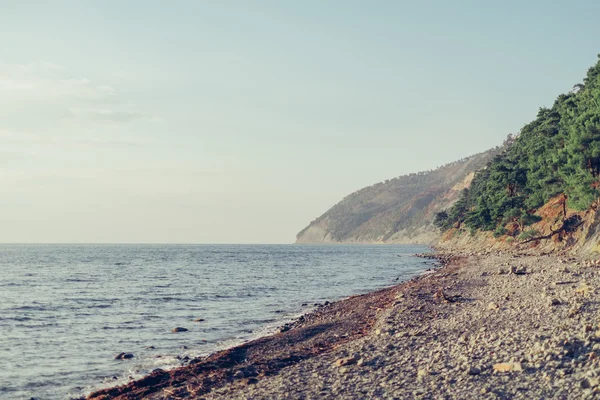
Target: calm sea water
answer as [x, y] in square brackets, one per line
[67, 310]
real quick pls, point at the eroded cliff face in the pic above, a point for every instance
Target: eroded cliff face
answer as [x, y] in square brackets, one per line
[399, 210]
[560, 230]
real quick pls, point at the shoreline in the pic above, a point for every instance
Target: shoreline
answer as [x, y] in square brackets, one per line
[320, 327]
[486, 325]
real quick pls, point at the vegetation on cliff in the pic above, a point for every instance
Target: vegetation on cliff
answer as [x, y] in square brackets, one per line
[555, 156]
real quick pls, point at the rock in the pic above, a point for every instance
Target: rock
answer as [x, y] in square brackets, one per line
[238, 374]
[583, 289]
[179, 329]
[345, 361]
[473, 370]
[518, 270]
[123, 356]
[493, 306]
[199, 320]
[573, 311]
[588, 383]
[553, 302]
[183, 347]
[507, 367]
[248, 381]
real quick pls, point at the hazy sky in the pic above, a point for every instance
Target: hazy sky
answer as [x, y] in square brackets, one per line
[241, 121]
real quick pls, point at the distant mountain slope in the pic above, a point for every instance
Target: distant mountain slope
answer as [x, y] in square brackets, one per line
[399, 210]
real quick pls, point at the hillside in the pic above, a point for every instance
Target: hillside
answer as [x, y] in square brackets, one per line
[545, 188]
[399, 210]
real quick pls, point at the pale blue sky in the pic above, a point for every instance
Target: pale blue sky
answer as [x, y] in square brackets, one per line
[241, 121]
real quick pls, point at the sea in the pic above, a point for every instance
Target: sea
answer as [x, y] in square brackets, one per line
[66, 311]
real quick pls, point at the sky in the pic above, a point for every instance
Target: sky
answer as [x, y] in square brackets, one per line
[225, 121]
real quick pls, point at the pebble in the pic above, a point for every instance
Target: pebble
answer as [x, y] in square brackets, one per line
[473, 371]
[347, 360]
[553, 302]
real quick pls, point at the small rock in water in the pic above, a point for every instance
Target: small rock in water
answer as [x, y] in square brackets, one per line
[179, 329]
[184, 347]
[199, 320]
[123, 356]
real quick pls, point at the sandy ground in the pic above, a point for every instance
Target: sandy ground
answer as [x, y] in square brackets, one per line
[486, 326]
